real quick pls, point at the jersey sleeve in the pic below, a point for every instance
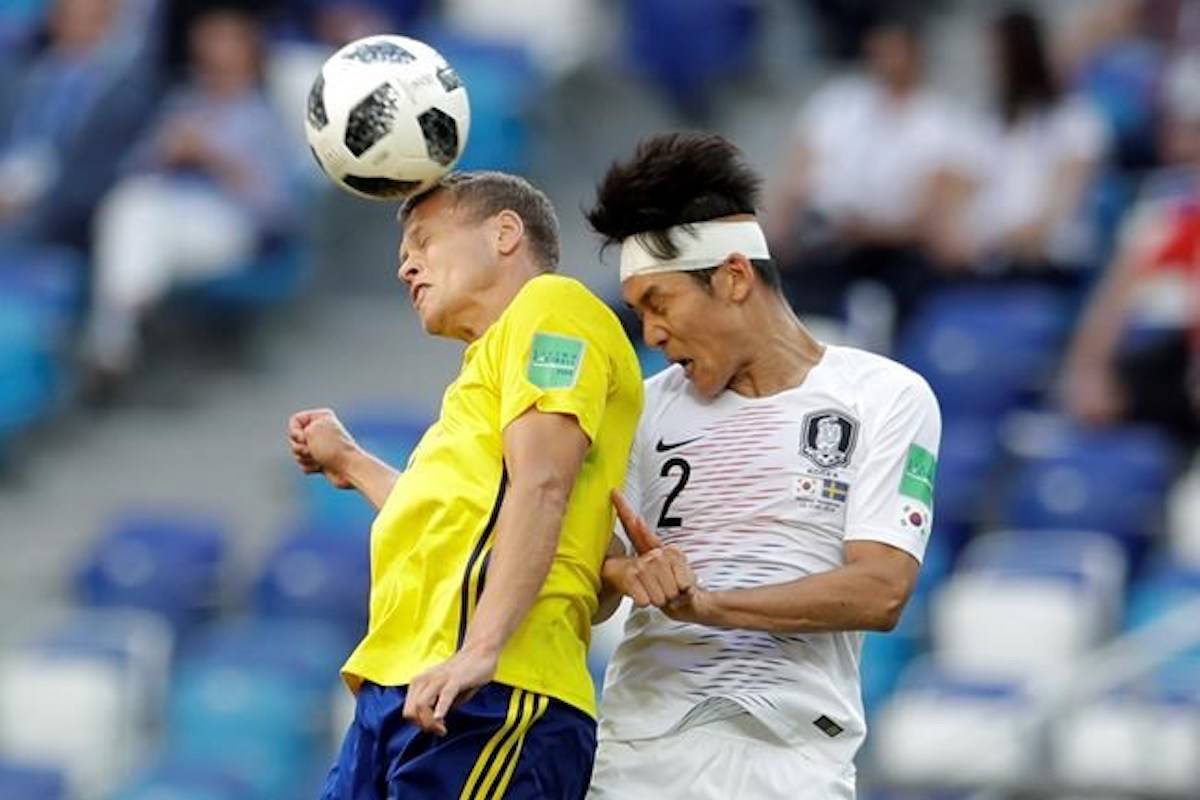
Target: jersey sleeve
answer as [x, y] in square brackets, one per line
[554, 358]
[893, 500]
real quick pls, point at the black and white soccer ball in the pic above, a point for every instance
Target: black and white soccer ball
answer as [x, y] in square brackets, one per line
[387, 117]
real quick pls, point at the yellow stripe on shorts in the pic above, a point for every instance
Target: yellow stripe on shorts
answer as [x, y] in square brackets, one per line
[509, 764]
[511, 720]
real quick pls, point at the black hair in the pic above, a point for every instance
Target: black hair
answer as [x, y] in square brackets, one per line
[676, 179]
[1026, 77]
[901, 17]
[484, 194]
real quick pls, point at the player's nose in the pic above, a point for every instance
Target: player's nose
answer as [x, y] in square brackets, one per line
[408, 270]
[654, 334]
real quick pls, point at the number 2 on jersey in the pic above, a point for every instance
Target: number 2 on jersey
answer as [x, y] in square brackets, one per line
[685, 472]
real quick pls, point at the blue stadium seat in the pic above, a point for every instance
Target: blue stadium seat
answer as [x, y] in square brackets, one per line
[1021, 603]
[985, 350]
[177, 779]
[1140, 738]
[24, 782]
[969, 453]
[311, 574]
[253, 698]
[389, 435]
[50, 279]
[686, 46]
[1084, 556]
[946, 729]
[167, 561]
[85, 695]
[309, 650]
[29, 372]
[1114, 481]
[503, 82]
[1163, 589]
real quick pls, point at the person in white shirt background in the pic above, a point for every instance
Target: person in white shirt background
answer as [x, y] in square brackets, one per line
[779, 499]
[876, 164]
[1036, 154]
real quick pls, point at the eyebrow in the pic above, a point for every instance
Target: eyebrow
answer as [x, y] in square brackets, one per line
[647, 297]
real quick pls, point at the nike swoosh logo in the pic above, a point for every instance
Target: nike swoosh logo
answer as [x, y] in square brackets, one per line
[663, 447]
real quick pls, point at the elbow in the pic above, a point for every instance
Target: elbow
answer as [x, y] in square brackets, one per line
[548, 491]
[886, 613]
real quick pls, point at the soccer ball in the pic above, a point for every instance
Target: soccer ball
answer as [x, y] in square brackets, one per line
[387, 117]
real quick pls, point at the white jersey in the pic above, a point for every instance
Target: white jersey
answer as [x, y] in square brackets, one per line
[765, 490]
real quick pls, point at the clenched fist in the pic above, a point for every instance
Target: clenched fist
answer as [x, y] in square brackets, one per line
[320, 443]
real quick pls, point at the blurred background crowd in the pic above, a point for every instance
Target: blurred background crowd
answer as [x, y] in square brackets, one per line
[1004, 197]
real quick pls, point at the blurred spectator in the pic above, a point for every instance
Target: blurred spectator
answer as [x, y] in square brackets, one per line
[68, 118]
[1037, 154]
[559, 34]
[1113, 54]
[877, 160]
[1135, 354]
[842, 25]
[206, 190]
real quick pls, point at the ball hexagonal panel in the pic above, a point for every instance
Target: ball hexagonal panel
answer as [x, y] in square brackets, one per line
[371, 119]
[317, 117]
[384, 188]
[380, 52]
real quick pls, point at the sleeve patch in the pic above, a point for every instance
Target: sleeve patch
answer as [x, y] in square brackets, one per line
[919, 471]
[554, 361]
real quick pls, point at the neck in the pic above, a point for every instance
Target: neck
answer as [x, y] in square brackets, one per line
[487, 305]
[784, 352]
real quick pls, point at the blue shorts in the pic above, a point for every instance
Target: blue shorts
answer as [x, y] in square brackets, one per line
[502, 743]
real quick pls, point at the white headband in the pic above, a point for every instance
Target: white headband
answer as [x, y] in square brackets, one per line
[702, 245]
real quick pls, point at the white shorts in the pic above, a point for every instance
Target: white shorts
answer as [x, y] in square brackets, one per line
[736, 757]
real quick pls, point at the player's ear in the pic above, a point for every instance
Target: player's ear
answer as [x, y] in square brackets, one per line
[736, 278]
[510, 231]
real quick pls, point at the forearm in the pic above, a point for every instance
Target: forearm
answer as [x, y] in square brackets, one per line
[527, 535]
[373, 478]
[845, 599]
[1096, 342]
[609, 599]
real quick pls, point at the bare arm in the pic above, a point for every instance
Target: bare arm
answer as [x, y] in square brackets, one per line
[868, 593]
[321, 444]
[1104, 319]
[543, 453]
[1090, 389]
[610, 595]
[1070, 180]
[372, 477]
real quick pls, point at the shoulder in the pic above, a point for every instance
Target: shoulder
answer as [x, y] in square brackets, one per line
[555, 293]
[884, 387]
[556, 304]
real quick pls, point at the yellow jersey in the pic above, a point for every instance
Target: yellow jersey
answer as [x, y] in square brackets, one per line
[556, 348]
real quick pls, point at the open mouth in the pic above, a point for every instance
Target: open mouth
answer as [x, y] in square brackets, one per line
[686, 363]
[418, 293]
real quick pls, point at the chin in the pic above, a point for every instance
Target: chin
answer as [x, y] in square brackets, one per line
[703, 386]
[428, 323]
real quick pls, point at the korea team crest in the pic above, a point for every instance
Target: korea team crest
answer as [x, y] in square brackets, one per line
[828, 438]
